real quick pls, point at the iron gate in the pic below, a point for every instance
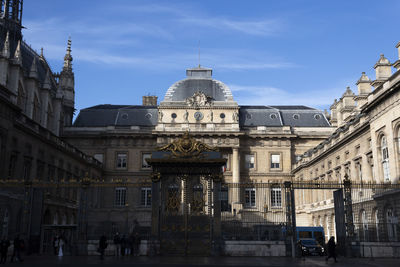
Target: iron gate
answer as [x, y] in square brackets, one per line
[185, 216]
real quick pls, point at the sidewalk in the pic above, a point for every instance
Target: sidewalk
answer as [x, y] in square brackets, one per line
[203, 261]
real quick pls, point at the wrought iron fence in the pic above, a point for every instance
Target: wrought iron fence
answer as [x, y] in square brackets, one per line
[253, 211]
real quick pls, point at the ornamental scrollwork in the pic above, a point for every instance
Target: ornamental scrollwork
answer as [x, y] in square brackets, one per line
[155, 177]
[186, 146]
[199, 99]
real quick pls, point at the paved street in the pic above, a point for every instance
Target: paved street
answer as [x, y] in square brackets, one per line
[204, 261]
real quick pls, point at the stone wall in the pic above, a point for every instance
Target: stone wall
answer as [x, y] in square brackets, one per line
[255, 248]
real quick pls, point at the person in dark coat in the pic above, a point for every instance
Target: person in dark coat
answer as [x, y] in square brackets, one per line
[123, 245]
[136, 247]
[117, 243]
[4, 244]
[18, 246]
[102, 246]
[331, 249]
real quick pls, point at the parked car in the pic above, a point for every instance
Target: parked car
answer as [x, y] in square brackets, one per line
[309, 246]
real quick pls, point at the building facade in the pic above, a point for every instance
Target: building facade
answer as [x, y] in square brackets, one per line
[35, 105]
[260, 144]
[365, 148]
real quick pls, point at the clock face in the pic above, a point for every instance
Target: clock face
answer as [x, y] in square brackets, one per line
[198, 116]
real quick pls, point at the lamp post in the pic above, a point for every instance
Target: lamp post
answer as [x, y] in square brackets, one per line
[127, 218]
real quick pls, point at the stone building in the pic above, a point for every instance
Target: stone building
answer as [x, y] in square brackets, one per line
[365, 147]
[260, 144]
[35, 106]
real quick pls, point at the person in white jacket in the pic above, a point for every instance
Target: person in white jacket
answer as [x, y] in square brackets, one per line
[60, 247]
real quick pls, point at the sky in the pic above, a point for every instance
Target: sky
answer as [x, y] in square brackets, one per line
[268, 52]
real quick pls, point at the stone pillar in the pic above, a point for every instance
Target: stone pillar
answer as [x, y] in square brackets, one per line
[236, 203]
[155, 213]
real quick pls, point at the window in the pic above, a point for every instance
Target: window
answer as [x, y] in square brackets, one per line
[145, 197]
[224, 197]
[276, 197]
[121, 160]
[27, 169]
[364, 221]
[145, 156]
[275, 161]
[359, 171]
[249, 161]
[99, 157]
[226, 165]
[120, 196]
[391, 222]
[6, 220]
[250, 197]
[385, 159]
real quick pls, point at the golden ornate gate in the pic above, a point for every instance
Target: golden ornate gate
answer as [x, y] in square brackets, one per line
[186, 209]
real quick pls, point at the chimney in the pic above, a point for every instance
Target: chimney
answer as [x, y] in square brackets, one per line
[334, 115]
[397, 63]
[383, 70]
[346, 106]
[149, 100]
[364, 89]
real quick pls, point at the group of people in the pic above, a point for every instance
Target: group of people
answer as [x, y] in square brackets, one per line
[127, 245]
[19, 245]
[124, 245]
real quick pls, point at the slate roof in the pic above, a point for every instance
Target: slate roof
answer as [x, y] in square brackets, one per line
[269, 116]
[117, 115]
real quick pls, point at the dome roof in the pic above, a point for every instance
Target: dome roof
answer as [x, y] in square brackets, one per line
[198, 80]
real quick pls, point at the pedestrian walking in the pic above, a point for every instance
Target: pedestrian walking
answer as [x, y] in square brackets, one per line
[130, 244]
[137, 240]
[60, 247]
[102, 246]
[4, 244]
[117, 243]
[331, 249]
[19, 245]
[123, 245]
[55, 245]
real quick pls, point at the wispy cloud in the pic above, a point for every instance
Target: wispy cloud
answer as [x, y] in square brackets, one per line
[130, 41]
[261, 27]
[267, 95]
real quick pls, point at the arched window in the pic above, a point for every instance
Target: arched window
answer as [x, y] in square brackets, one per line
[364, 223]
[64, 219]
[55, 218]
[391, 225]
[328, 227]
[376, 219]
[36, 109]
[385, 159]
[6, 220]
[47, 217]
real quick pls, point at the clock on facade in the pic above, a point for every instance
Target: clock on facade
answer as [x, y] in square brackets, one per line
[198, 116]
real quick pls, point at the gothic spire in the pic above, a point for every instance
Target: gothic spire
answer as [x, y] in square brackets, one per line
[18, 54]
[68, 58]
[33, 73]
[6, 48]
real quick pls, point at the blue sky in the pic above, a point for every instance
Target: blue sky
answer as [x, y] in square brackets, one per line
[267, 52]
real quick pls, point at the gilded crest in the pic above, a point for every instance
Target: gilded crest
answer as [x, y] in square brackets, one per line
[186, 146]
[199, 99]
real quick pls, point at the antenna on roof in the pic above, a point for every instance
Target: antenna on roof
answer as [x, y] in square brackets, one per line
[199, 53]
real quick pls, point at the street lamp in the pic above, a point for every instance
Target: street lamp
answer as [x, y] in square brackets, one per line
[127, 218]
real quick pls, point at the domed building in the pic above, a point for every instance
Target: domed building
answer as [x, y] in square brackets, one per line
[260, 144]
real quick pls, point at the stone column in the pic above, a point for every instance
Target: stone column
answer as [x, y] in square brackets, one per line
[236, 204]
